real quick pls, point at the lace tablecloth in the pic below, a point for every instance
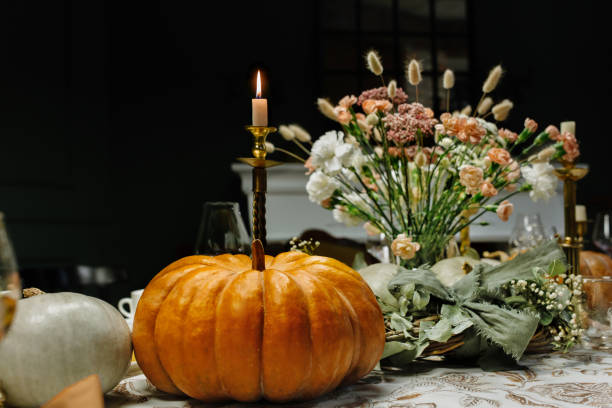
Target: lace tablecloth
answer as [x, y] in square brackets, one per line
[582, 378]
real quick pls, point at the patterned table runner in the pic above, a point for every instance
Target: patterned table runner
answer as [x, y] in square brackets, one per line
[582, 378]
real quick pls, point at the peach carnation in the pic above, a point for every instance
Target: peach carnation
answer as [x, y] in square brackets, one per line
[309, 166]
[514, 171]
[509, 135]
[531, 125]
[471, 178]
[504, 210]
[499, 156]
[372, 105]
[553, 132]
[570, 145]
[342, 115]
[348, 101]
[403, 247]
[488, 189]
[463, 128]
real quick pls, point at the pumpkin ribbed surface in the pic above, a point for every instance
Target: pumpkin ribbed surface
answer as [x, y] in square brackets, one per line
[595, 264]
[216, 329]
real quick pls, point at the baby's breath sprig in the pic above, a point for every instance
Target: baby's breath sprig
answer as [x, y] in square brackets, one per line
[557, 300]
[308, 246]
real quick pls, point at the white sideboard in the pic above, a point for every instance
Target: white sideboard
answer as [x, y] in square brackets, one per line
[289, 212]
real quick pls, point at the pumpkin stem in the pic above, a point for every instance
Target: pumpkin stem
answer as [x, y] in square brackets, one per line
[30, 292]
[258, 256]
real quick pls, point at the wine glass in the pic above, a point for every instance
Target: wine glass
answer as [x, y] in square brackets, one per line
[602, 232]
[528, 232]
[222, 230]
[10, 285]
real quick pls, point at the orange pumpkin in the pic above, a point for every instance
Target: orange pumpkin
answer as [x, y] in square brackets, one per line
[231, 328]
[595, 264]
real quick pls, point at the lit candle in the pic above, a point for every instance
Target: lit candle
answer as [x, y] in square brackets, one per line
[568, 127]
[581, 214]
[259, 106]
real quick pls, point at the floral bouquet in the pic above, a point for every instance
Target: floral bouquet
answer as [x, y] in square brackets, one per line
[418, 179]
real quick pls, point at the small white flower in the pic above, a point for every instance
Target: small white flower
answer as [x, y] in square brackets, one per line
[557, 338]
[446, 142]
[320, 187]
[342, 216]
[542, 178]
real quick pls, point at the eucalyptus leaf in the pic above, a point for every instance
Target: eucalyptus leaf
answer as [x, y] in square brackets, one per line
[395, 347]
[398, 322]
[359, 261]
[441, 331]
[420, 301]
[424, 279]
[545, 318]
[377, 276]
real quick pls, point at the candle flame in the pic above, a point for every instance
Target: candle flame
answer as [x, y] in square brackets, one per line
[258, 93]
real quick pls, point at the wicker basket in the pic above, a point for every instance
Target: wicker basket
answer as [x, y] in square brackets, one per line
[541, 342]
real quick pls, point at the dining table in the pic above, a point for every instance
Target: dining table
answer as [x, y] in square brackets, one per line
[581, 377]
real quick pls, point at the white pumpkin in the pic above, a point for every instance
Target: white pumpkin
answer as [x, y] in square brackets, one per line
[58, 339]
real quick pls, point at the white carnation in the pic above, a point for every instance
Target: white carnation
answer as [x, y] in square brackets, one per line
[345, 218]
[324, 153]
[359, 200]
[542, 178]
[320, 187]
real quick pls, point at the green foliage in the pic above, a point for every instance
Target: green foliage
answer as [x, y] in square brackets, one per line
[491, 307]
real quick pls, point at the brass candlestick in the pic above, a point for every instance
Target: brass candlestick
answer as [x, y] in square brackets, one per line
[572, 242]
[259, 164]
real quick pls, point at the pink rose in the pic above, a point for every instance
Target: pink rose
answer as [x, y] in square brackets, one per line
[531, 125]
[570, 145]
[553, 132]
[504, 210]
[403, 247]
[348, 101]
[499, 156]
[508, 135]
[471, 178]
[488, 189]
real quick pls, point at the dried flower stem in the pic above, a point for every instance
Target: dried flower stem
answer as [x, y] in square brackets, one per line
[301, 146]
[448, 100]
[287, 152]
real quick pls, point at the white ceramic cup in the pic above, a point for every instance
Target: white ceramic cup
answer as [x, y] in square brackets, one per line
[127, 305]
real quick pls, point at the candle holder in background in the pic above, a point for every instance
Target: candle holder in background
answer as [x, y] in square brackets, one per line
[259, 164]
[570, 174]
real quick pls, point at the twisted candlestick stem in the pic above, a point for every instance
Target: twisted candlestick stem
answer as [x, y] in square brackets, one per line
[259, 204]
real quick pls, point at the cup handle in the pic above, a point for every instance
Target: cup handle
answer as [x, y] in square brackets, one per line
[121, 306]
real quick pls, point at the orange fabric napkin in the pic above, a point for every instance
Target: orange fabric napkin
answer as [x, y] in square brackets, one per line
[84, 393]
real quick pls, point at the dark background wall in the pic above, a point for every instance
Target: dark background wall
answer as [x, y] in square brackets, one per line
[118, 120]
